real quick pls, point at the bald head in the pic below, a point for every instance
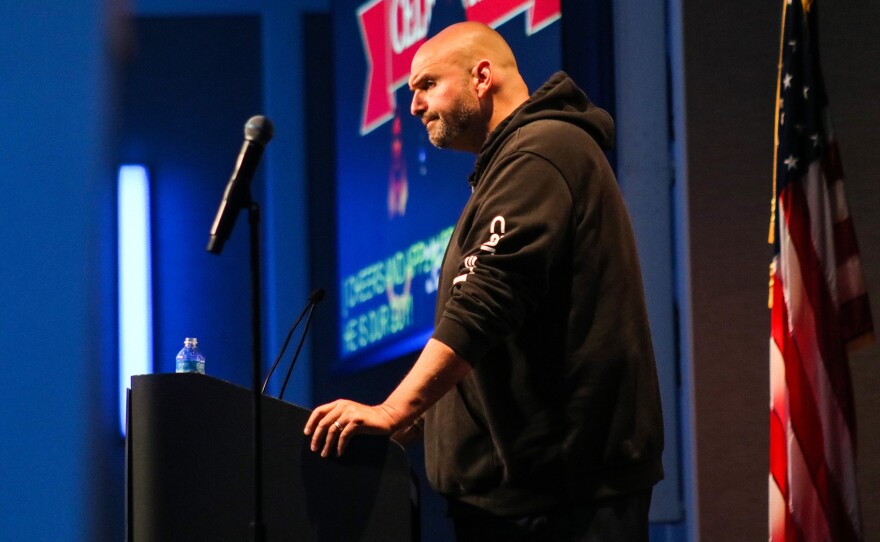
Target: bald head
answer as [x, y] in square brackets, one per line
[467, 43]
[475, 62]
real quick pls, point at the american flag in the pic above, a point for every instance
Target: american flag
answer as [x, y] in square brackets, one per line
[819, 306]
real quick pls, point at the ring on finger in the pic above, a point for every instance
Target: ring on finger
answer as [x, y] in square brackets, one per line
[338, 425]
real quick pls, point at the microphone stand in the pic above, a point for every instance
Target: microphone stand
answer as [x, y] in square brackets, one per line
[257, 132]
[256, 365]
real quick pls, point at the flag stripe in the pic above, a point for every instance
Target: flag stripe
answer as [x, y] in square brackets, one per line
[806, 504]
[778, 516]
[798, 447]
[851, 285]
[855, 321]
[779, 512]
[830, 347]
[845, 246]
[816, 206]
[778, 392]
[831, 163]
[778, 465]
[815, 415]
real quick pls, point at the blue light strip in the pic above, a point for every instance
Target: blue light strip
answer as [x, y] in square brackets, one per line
[135, 279]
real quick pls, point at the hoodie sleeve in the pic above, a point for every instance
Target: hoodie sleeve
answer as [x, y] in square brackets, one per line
[509, 241]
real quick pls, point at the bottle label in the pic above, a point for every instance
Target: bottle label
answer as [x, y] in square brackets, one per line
[190, 366]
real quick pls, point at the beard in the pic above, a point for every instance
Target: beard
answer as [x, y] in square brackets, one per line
[449, 127]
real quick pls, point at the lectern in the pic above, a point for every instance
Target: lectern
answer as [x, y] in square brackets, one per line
[189, 471]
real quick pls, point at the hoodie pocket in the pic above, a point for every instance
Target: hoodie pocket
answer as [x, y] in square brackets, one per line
[459, 452]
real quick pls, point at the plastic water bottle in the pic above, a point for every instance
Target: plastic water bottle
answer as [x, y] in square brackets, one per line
[189, 359]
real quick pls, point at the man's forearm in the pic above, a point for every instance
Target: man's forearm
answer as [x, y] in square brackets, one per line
[437, 370]
[434, 373]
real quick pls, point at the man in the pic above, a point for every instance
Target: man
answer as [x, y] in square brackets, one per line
[538, 388]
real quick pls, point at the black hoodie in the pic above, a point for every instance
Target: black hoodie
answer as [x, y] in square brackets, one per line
[541, 292]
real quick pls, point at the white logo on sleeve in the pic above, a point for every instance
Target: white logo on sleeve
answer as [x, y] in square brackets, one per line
[470, 264]
[496, 232]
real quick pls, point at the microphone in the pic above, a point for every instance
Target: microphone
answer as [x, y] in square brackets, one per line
[257, 132]
[314, 298]
[302, 339]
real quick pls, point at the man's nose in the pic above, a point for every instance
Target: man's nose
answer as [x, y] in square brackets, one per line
[417, 106]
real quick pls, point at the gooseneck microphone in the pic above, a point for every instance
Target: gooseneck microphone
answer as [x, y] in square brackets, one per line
[314, 298]
[257, 132]
[299, 346]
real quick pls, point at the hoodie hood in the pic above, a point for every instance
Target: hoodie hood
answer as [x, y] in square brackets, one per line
[558, 99]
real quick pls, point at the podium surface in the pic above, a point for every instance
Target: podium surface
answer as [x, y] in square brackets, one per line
[190, 469]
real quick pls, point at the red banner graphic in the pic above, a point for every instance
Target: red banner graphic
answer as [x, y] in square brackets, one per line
[393, 30]
[539, 13]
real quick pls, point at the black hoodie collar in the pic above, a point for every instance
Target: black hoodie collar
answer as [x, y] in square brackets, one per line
[559, 98]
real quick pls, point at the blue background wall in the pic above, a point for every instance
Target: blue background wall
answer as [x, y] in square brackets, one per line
[185, 92]
[55, 431]
[61, 475]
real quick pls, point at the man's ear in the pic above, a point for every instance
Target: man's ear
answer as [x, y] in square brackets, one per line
[483, 77]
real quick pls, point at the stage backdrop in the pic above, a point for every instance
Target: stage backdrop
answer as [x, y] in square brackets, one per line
[397, 195]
